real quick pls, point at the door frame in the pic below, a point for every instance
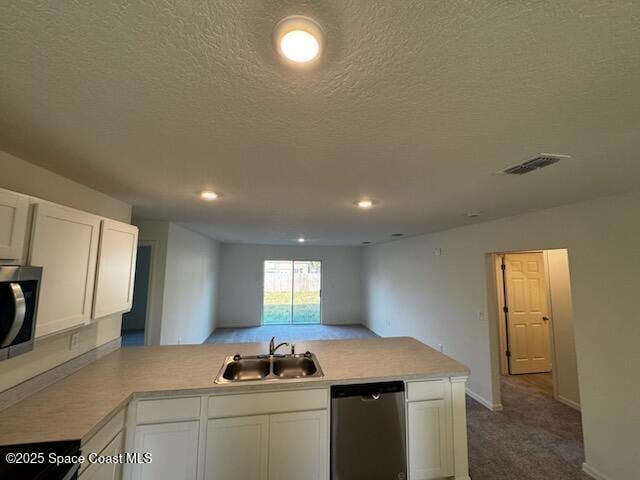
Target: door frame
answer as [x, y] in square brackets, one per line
[152, 245]
[497, 260]
[321, 322]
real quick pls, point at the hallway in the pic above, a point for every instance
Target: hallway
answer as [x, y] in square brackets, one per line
[534, 438]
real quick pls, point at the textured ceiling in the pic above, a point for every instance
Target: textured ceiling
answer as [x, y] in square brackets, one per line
[416, 104]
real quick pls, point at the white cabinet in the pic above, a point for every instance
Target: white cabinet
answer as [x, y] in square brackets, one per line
[237, 448]
[298, 446]
[174, 450]
[65, 243]
[430, 446]
[13, 224]
[106, 471]
[116, 268]
[287, 446]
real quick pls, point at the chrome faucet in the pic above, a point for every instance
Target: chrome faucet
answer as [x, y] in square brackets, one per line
[273, 348]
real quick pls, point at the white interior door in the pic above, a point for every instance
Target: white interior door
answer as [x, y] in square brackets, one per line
[527, 313]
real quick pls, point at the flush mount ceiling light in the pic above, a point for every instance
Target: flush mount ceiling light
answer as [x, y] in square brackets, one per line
[209, 195]
[365, 203]
[299, 40]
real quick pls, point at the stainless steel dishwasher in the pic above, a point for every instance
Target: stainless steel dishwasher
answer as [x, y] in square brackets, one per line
[368, 434]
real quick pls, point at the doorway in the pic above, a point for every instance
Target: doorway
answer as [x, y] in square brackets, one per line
[292, 292]
[134, 323]
[535, 323]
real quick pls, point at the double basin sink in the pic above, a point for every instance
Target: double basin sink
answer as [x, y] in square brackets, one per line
[268, 367]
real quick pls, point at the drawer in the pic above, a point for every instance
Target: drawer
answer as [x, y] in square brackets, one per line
[167, 410]
[269, 402]
[428, 390]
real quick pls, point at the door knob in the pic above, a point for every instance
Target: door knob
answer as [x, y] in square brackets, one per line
[546, 319]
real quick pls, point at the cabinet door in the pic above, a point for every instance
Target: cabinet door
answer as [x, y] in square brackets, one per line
[65, 243]
[174, 451]
[13, 224]
[106, 471]
[298, 446]
[116, 268]
[430, 446]
[237, 448]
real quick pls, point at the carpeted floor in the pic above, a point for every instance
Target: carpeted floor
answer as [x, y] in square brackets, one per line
[534, 438]
[288, 333]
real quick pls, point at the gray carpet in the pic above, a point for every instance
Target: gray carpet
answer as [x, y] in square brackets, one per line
[288, 333]
[534, 438]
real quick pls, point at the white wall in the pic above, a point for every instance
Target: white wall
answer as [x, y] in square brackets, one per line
[184, 283]
[190, 287]
[241, 278]
[437, 299]
[566, 362]
[24, 177]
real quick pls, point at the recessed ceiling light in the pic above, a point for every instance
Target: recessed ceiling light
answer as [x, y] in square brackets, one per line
[397, 234]
[365, 203]
[299, 39]
[301, 240]
[209, 195]
[473, 214]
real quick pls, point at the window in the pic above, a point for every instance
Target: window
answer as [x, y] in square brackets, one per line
[292, 292]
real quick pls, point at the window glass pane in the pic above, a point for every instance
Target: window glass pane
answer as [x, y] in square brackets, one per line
[306, 291]
[278, 285]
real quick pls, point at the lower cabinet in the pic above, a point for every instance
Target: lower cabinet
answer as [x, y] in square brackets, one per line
[106, 471]
[287, 446]
[237, 448]
[174, 450]
[283, 435]
[298, 446]
[430, 445]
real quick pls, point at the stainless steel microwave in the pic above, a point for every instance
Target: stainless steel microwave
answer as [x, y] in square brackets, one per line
[19, 288]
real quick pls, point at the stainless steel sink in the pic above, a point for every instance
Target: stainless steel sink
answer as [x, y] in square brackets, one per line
[294, 366]
[268, 367]
[247, 369]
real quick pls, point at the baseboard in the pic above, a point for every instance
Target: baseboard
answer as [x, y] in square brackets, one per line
[593, 473]
[43, 380]
[494, 407]
[569, 403]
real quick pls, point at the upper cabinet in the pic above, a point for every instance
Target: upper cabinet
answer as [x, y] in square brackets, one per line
[13, 224]
[65, 243]
[116, 268]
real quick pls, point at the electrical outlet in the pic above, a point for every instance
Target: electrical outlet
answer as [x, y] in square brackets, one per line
[440, 348]
[179, 340]
[481, 316]
[74, 341]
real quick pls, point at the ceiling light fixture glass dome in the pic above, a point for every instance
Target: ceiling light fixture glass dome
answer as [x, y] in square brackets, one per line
[299, 40]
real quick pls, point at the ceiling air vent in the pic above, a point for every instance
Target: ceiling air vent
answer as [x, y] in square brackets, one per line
[539, 161]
